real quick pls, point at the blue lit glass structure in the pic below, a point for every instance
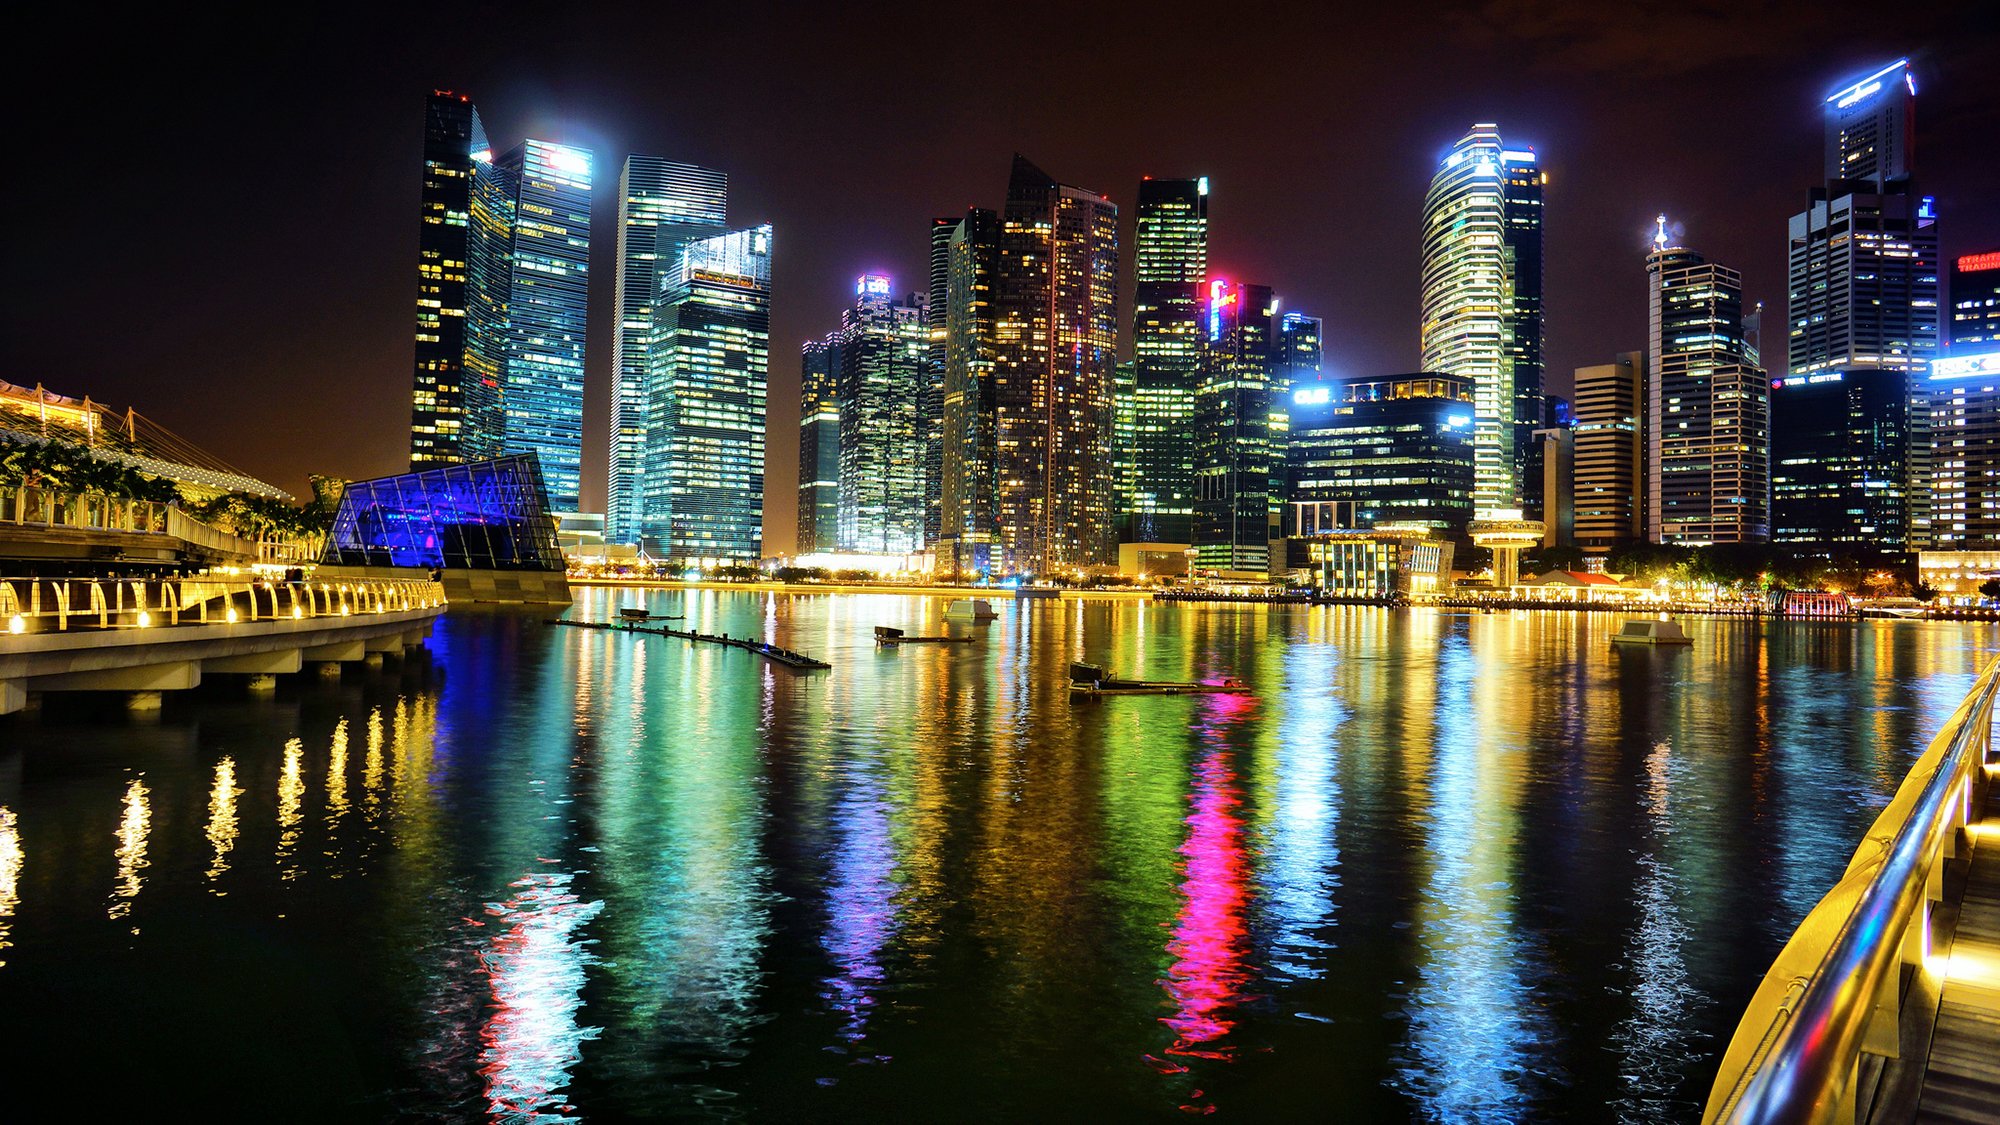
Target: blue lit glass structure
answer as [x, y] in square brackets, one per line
[487, 515]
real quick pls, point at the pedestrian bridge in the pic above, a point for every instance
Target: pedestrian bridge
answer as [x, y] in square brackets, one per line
[1885, 1005]
[146, 636]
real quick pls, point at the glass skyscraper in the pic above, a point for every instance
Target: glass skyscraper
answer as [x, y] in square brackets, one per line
[931, 407]
[662, 205]
[878, 358]
[1482, 303]
[968, 489]
[1171, 263]
[708, 359]
[819, 451]
[1385, 450]
[452, 133]
[1707, 406]
[1232, 451]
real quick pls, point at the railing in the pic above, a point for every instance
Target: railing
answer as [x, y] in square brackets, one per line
[38, 605]
[93, 511]
[1835, 990]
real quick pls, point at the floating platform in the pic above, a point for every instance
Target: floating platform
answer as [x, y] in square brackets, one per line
[1089, 679]
[770, 652]
[639, 613]
[890, 635]
[970, 609]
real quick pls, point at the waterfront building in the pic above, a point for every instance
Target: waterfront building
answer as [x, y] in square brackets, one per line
[1707, 406]
[931, 405]
[1170, 262]
[1964, 402]
[1610, 477]
[819, 451]
[1838, 469]
[1393, 560]
[1557, 457]
[1482, 302]
[1055, 343]
[1975, 299]
[1365, 452]
[1233, 455]
[877, 358]
[1863, 273]
[707, 375]
[968, 504]
[662, 205]
[452, 133]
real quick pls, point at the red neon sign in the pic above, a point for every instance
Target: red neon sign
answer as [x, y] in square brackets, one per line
[1974, 263]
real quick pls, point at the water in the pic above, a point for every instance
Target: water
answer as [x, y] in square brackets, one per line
[1440, 867]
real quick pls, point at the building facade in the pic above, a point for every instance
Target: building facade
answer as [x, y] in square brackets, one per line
[1610, 476]
[1839, 452]
[1232, 448]
[452, 133]
[1707, 405]
[1055, 344]
[931, 408]
[819, 452]
[1170, 262]
[1395, 450]
[662, 205]
[1964, 402]
[708, 359]
[1482, 303]
[878, 358]
[968, 505]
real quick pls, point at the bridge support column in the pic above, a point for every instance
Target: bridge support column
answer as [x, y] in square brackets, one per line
[13, 697]
[373, 661]
[175, 675]
[263, 683]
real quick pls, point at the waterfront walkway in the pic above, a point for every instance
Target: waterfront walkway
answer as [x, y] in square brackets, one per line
[1962, 1074]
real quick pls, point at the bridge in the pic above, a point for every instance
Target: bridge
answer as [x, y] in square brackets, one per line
[1884, 1007]
[142, 637]
[96, 529]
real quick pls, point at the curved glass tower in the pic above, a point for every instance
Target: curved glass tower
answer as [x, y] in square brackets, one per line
[1482, 301]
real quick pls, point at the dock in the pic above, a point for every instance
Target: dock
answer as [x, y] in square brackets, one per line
[771, 652]
[889, 636]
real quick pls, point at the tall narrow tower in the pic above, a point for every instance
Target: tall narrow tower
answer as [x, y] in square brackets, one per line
[452, 134]
[1171, 263]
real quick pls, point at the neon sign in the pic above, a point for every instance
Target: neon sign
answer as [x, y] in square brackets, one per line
[1985, 364]
[871, 285]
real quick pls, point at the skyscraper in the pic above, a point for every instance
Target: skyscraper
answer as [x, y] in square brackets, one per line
[931, 407]
[1232, 430]
[1975, 299]
[878, 358]
[1707, 405]
[1964, 397]
[1840, 445]
[819, 451]
[1863, 292]
[968, 494]
[1610, 476]
[1171, 263]
[662, 205]
[708, 372]
[1482, 302]
[1384, 450]
[1055, 336]
[452, 133]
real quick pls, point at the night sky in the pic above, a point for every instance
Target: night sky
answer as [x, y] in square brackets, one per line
[216, 221]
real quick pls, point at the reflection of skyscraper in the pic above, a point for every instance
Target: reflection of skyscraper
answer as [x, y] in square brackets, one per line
[1055, 337]
[1482, 301]
[1171, 262]
[877, 358]
[707, 369]
[969, 458]
[1232, 430]
[1707, 408]
[661, 206]
[452, 133]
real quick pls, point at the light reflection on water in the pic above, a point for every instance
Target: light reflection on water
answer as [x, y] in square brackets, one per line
[1439, 867]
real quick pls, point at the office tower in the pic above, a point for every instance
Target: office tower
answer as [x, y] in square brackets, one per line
[452, 133]
[1839, 449]
[1964, 398]
[938, 311]
[1124, 446]
[968, 504]
[661, 206]
[1863, 290]
[1055, 336]
[877, 357]
[489, 286]
[1556, 448]
[1975, 299]
[1232, 430]
[1398, 449]
[707, 373]
[1707, 405]
[1609, 497]
[819, 451]
[1171, 263]
[1482, 303]
[1296, 360]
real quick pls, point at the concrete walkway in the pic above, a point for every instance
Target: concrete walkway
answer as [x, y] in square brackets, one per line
[1962, 1075]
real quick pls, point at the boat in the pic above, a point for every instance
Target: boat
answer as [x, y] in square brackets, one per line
[641, 613]
[1091, 679]
[1648, 631]
[1031, 593]
[890, 635]
[970, 609]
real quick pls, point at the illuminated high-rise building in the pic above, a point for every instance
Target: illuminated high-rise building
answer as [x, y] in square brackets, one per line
[931, 406]
[1394, 449]
[1233, 454]
[819, 451]
[1975, 299]
[1609, 478]
[1964, 398]
[1864, 295]
[968, 503]
[452, 133]
[1171, 263]
[877, 358]
[662, 205]
[1055, 343]
[708, 373]
[1482, 304]
[1707, 405]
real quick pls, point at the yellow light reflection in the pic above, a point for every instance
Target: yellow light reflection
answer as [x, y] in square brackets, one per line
[222, 819]
[10, 874]
[133, 828]
[371, 769]
[291, 788]
[336, 777]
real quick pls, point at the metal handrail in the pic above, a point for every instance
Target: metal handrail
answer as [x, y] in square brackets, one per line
[60, 604]
[1823, 1002]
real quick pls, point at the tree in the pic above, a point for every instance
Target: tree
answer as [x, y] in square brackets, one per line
[1990, 588]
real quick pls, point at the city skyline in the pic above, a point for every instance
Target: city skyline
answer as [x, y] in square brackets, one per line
[1361, 281]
